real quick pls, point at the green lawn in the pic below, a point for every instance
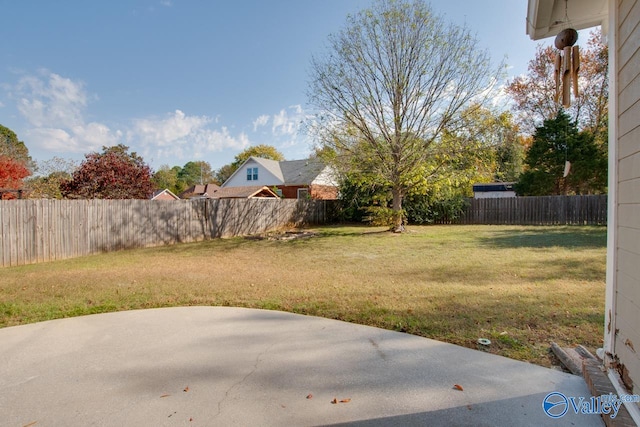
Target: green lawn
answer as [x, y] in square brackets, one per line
[520, 287]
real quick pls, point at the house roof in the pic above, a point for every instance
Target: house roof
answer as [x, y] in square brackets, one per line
[493, 186]
[301, 172]
[546, 18]
[287, 172]
[159, 193]
[272, 166]
[246, 192]
[198, 190]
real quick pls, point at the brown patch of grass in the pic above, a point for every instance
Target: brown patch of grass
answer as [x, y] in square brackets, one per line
[520, 287]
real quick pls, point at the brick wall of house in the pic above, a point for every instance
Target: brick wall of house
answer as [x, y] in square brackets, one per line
[324, 192]
[318, 192]
[290, 192]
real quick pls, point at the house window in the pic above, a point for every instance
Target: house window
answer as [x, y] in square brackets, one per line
[252, 174]
[303, 193]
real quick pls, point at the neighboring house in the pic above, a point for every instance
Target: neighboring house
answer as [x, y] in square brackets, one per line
[294, 179]
[248, 192]
[620, 20]
[199, 190]
[165, 194]
[493, 190]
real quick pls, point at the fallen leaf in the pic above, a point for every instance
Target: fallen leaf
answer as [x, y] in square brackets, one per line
[186, 389]
[165, 395]
[334, 401]
[345, 401]
[629, 344]
[309, 396]
[31, 424]
[458, 387]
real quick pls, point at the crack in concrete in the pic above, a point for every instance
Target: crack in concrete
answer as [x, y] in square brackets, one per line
[237, 384]
[381, 353]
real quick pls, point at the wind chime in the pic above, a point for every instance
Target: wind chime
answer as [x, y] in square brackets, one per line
[567, 64]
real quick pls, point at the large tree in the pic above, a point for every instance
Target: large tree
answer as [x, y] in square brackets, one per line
[392, 81]
[112, 174]
[15, 162]
[50, 175]
[198, 172]
[12, 147]
[167, 177]
[533, 93]
[493, 137]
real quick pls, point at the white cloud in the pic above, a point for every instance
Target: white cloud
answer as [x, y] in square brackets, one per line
[285, 123]
[166, 3]
[55, 106]
[80, 139]
[162, 132]
[56, 111]
[284, 130]
[217, 140]
[181, 136]
[263, 120]
[51, 100]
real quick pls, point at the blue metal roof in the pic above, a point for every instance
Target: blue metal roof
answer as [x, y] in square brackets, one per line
[494, 186]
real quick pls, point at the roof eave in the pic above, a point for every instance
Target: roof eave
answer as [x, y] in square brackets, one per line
[545, 17]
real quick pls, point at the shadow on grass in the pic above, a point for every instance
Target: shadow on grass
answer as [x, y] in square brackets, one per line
[547, 237]
[518, 328]
[231, 243]
[352, 230]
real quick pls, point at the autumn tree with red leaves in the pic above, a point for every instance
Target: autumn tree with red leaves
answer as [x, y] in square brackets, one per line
[533, 93]
[12, 172]
[14, 163]
[113, 174]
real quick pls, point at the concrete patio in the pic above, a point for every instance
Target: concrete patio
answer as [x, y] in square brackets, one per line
[204, 366]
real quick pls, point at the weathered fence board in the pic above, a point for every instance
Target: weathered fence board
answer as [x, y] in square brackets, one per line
[45, 230]
[547, 210]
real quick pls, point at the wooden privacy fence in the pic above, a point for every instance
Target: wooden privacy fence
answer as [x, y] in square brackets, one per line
[34, 231]
[545, 210]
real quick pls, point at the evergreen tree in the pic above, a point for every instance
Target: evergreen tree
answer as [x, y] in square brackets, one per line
[555, 143]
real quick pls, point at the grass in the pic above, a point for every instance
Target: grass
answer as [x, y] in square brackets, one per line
[520, 287]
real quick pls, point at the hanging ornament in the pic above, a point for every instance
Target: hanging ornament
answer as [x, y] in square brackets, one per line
[567, 64]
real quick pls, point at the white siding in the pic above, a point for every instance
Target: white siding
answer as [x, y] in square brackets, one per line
[326, 177]
[627, 187]
[265, 177]
[493, 194]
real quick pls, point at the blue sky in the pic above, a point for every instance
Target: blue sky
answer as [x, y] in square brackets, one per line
[183, 80]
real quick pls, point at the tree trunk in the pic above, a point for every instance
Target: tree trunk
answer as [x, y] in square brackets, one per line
[398, 227]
